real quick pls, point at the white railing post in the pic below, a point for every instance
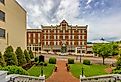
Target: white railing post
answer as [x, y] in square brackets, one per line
[81, 77]
[42, 78]
[3, 75]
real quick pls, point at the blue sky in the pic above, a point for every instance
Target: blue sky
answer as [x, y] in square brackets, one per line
[102, 16]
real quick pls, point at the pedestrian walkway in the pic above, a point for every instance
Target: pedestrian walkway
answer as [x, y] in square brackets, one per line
[62, 75]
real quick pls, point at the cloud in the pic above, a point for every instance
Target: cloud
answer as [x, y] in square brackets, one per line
[89, 1]
[100, 15]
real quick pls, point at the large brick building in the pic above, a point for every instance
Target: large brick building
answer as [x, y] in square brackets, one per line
[53, 38]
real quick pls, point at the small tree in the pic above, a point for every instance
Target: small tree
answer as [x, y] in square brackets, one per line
[10, 57]
[20, 56]
[95, 48]
[115, 49]
[31, 54]
[105, 50]
[119, 52]
[118, 63]
[27, 56]
[2, 62]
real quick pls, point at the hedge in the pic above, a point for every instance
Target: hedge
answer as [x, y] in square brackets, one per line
[14, 70]
[52, 60]
[70, 61]
[86, 62]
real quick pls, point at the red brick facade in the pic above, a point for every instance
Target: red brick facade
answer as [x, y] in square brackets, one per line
[52, 37]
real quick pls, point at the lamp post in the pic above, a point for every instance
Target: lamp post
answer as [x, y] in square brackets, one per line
[42, 69]
[82, 71]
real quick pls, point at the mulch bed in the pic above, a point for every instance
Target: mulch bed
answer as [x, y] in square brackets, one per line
[108, 70]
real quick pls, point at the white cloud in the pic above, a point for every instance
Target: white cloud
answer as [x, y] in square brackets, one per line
[46, 12]
[107, 27]
[89, 1]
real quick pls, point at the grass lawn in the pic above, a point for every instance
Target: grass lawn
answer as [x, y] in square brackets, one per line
[89, 70]
[36, 70]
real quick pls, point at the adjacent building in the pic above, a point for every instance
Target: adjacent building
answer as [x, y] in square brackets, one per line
[62, 37]
[12, 25]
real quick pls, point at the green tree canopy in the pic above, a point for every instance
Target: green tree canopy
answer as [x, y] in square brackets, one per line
[118, 63]
[20, 56]
[103, 50]
[31, 54]
[27, 56]
[10, 57]
[2, 61]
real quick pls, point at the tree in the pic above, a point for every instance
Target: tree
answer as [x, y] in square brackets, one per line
[118, 63]
[27, 56]
[115, 49]
[10, 57]
[119, 52]
[2, 61]
[20, 56]
[31, 54]
[95, 48]
[103, 50]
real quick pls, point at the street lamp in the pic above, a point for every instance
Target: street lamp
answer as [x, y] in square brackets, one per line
[82, 71]
[41, 69]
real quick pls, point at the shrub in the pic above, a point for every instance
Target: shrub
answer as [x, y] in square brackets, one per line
[41, 63]
[10, 57]
[2, 61]
[52, 60]
[20, 56]
[70, 61]
[117, 71]
[45, 64]
[27, 56]
[14, 70]
[86, 62]
[36, 59]
[31, 54]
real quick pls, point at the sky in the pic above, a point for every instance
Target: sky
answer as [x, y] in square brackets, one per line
[103, 17]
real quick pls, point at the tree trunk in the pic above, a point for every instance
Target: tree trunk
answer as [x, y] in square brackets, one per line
[103, 60]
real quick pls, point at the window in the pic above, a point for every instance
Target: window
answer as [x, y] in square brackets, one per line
[64, 37]
[54, 36]
[33, 40]
[2, 33]
[2, 15]
[29, 41]
[54, 31]
[2, 1]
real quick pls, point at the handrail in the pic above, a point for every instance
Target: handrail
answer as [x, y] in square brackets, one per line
[113, 77]
[23, 78]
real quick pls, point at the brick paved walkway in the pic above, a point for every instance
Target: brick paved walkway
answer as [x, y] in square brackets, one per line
[62, 75]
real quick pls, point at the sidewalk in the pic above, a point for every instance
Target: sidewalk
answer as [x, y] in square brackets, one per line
[62, 75]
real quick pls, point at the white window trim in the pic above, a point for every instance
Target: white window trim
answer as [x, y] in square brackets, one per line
[82, 42]
[34, 35]
[33, 40]
[82, 36]
[45, 42]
